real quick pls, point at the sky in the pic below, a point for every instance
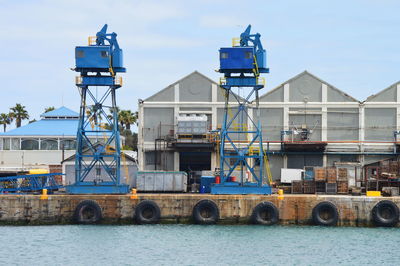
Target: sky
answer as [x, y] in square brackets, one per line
[352, 44]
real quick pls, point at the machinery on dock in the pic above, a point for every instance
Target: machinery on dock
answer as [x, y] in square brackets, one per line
[98, 152]
[242, 65]
[33, 182]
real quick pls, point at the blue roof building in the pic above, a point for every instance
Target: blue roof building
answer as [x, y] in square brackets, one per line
[55, 131]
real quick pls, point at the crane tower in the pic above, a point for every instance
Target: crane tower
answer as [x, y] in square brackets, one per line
[98, 152]
[241, 146]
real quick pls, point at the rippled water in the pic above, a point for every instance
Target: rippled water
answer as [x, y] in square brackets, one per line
[198, 245]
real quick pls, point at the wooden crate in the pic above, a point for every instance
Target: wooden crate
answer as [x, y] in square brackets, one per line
[331, 188]
[320, 187]
[342, 173]
[297, 187]
[343, 187]
[56, 168]
[309, 187]
[319, 174]
[331, 174]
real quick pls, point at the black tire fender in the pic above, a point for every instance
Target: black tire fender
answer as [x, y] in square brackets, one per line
[385, 213]
[147, 212]
[87, 212]
[205, 212]
[323, 209]
[265, 213]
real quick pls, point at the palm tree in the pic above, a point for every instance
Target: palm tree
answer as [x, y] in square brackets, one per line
[5, 119]
[19, 113]
[127, 118]
[48, 109]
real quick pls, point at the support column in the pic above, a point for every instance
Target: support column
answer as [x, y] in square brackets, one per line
[324, 115]
[286, 109]
[176, 161]
[398, 108]
[141, 138]
[214, 99]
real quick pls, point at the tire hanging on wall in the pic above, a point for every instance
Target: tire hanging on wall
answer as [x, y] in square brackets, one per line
[205, 212]
[147, 212]
[385, 213]
[88, 212]
[325, 213]
[265, 213]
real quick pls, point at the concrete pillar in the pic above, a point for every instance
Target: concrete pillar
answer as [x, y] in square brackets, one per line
[361, 134]
[325, 160]
[286, 109]
[324, 115]
[140, 137]
[176, 161]
[398, 108]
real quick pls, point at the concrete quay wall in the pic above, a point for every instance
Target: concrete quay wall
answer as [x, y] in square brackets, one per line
[177, 208]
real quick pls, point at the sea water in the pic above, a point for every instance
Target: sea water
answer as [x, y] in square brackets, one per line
[198, 245]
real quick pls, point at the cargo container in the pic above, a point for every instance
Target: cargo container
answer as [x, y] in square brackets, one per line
[161, 181]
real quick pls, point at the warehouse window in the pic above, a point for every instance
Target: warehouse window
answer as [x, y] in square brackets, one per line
[80, 54]
[29, 144]
[224, 55]
[68, 144]
[15, 145]
[6, 144]
[49, 144]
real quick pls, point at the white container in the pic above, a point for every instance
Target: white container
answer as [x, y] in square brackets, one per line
[161, 181]
[289, 175]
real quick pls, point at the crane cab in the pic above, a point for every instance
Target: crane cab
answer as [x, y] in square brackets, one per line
[242, 60]
[98, 58]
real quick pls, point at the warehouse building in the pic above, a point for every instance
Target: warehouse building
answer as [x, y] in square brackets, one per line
[305, 122]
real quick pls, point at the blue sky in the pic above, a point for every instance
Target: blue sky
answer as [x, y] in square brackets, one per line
[353, 45]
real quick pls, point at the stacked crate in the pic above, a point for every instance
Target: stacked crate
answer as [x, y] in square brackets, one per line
[297, 187]
[309, 187]
[331, 178]
[320, 179]
[343, 181]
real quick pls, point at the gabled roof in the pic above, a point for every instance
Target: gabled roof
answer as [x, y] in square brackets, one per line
[305, 72]
[61, 112]
[176, 82]
[381, 92]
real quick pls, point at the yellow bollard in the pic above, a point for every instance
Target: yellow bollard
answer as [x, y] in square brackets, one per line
[280, 194]
[133, 193]
[44, 195]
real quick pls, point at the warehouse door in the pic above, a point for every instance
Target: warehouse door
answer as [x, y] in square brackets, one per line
[194, 161]
[298, 161]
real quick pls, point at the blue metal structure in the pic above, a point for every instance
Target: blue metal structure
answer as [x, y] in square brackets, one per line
[242, 65]
[98, 64]
[29, 183]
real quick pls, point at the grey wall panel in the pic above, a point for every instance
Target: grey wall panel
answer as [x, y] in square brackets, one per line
[194, 108]
[305, 87]
[308, 119]
[332, 158]
[273, 96]
[388, 95]
[298, 161]
[343, 124]
[336, 96]
[164, 160]
[166, 95]
[369, 159]
[380, 123]
[275, 164]
[195, 88]
[152, 117]
[271, 123]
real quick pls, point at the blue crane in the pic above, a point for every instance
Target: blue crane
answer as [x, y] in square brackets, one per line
[242, 65]
[98, 152]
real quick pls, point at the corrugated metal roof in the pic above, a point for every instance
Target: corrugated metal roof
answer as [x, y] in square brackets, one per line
[46, 127]
[61, 112]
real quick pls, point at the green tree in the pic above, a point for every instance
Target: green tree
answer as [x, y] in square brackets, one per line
[127, 118]
[5, 119]
[19, 113]
[48, 109]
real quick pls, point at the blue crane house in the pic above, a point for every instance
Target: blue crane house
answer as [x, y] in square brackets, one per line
[242, 65]
[98, 63]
